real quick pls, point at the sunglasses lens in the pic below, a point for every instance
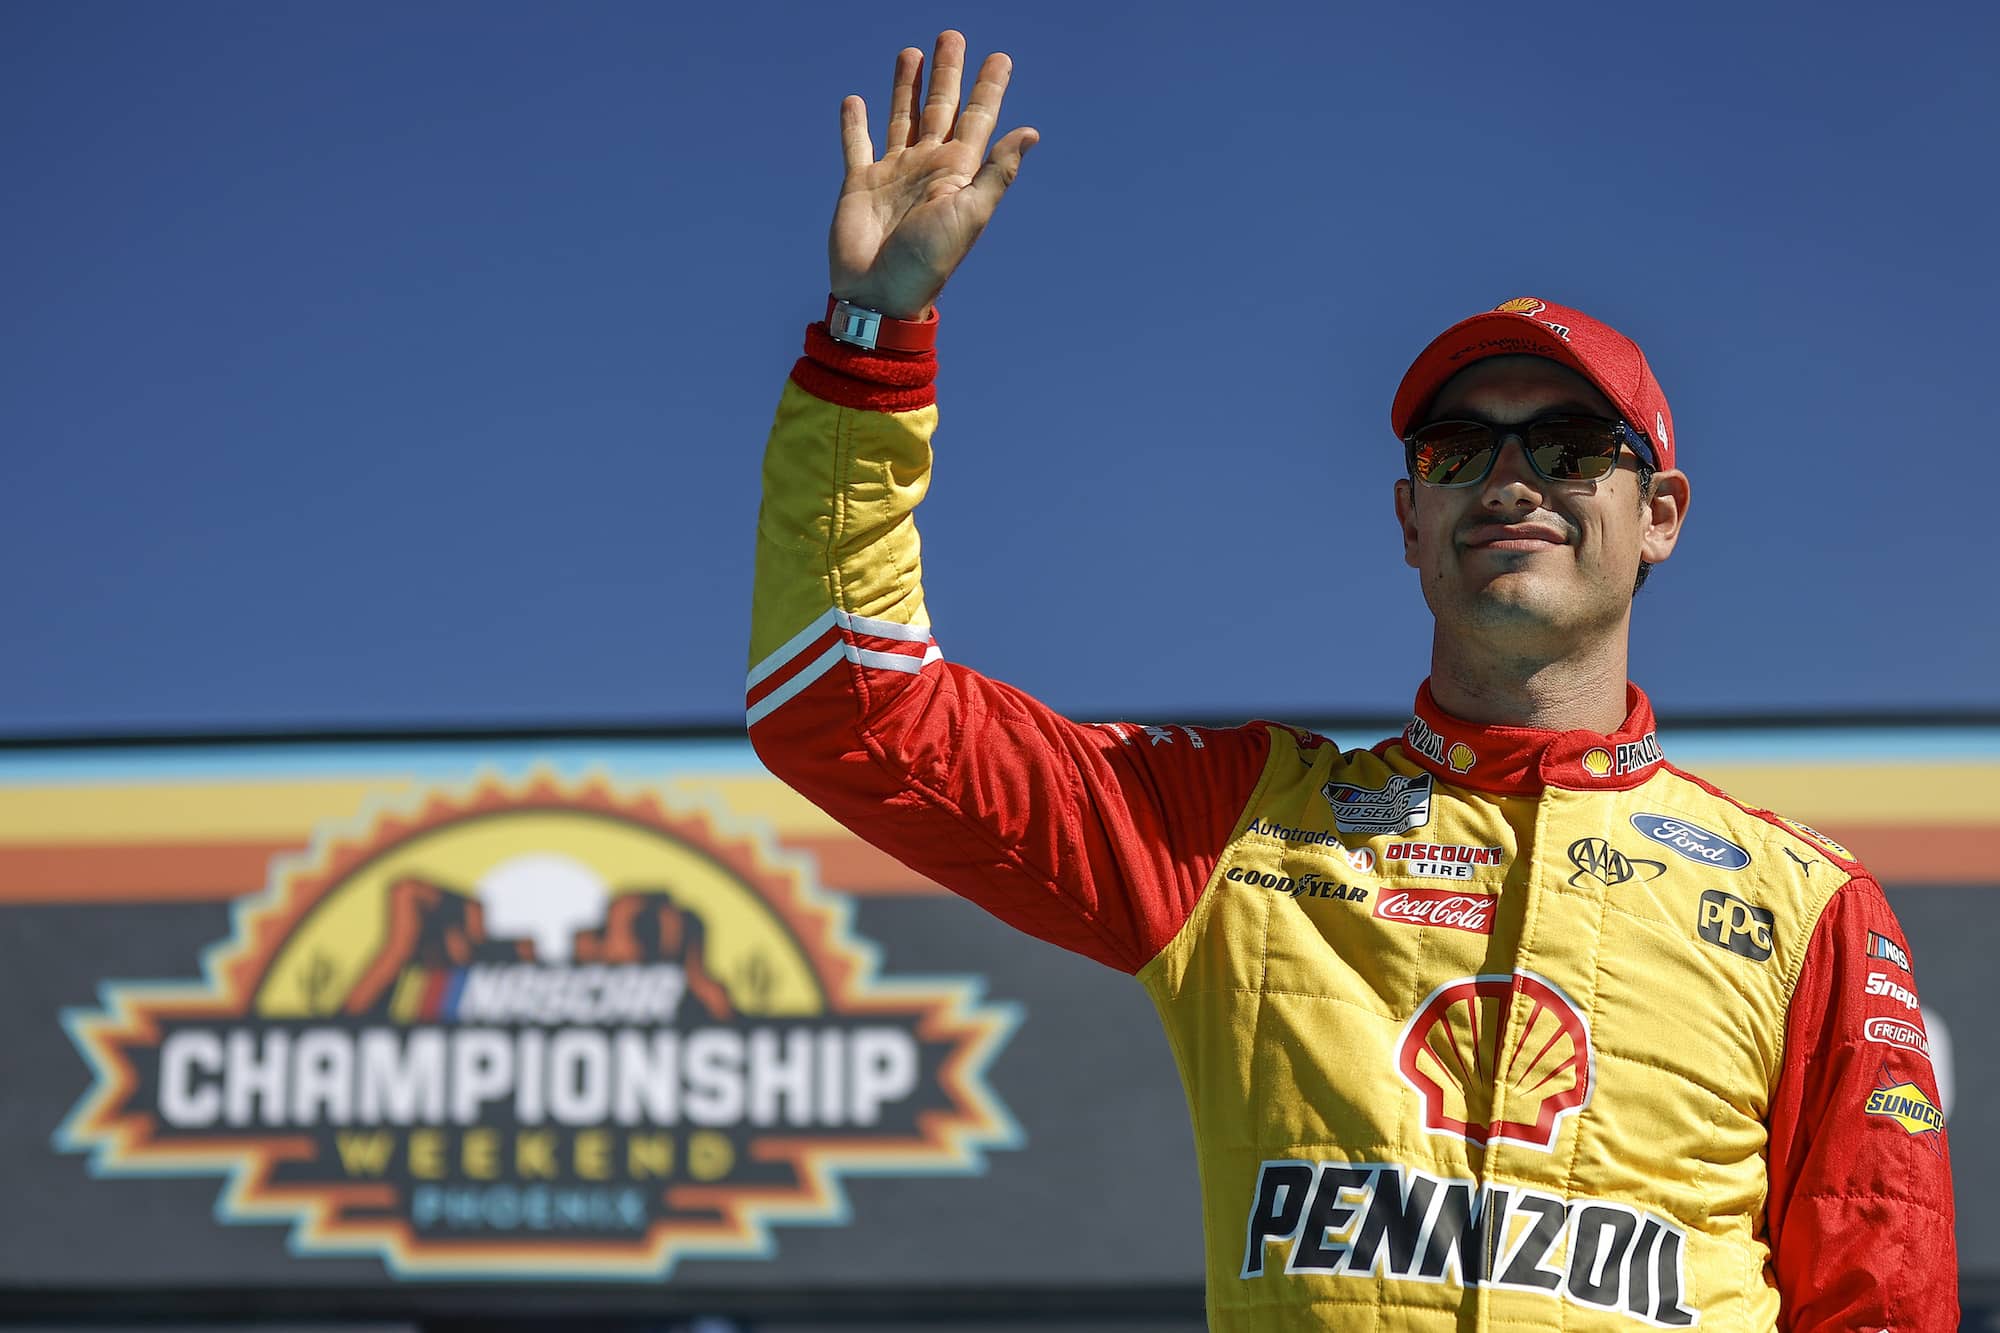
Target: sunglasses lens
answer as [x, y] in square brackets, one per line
[1451, 453]
[1574, 448]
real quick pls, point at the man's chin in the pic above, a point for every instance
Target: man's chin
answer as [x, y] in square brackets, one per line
[1514, 599]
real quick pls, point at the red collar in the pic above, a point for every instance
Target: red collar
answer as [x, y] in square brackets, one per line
[1524, 759]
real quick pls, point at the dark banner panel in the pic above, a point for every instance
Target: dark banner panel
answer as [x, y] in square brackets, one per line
[617, 1014]
[626, 1016]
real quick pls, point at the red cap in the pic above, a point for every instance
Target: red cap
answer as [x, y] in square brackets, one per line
[1531, 327]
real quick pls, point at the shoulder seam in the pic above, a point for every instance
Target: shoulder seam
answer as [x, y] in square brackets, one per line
[1201, 900]
[1818, 913]
[1777, 821]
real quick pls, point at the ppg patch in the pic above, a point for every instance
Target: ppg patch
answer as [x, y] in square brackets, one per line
[1397, 806]
[1728, 922]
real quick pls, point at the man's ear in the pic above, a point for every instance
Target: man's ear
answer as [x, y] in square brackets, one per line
[1406, 517]
[1666, 511]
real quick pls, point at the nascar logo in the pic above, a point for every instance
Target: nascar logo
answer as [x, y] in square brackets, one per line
[1397, 806]
[1881, 946]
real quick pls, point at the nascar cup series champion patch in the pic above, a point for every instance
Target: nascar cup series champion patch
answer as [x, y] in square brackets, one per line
[539, 1031]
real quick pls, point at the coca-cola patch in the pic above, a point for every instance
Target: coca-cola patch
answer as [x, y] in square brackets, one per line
[1438, 907]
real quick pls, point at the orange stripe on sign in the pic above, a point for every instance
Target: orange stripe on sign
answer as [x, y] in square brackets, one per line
[134, 872]
[1900, 854]
[853, 866]
[216, 872]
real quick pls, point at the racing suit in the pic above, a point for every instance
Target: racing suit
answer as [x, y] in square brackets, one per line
[1522, 1026]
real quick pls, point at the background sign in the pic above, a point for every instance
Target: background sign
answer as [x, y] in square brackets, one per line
[379, 1018]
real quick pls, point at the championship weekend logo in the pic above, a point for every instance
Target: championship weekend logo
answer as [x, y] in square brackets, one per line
[537, 1032]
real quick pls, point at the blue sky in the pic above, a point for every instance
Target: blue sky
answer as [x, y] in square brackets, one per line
[410, 363]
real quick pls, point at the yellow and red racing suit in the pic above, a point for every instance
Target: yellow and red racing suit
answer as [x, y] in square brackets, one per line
[1528, 1026]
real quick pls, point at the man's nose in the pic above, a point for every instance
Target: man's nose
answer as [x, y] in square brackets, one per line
[1512, 481]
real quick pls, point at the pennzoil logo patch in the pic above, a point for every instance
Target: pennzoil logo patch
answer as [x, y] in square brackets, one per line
[539, 1031]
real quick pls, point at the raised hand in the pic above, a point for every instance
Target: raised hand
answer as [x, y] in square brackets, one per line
[905, 221]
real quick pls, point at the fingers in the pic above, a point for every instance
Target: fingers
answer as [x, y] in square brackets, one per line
[1002, 167]
[914, 117]
[855, 149]
[947, 64]
[904, 89]
[982, 109]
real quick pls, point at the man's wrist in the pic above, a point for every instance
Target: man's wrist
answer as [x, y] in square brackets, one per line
[878, 379]
[871, 330]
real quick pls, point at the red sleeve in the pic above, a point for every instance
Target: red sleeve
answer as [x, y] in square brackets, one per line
[1860, 1208]
[1097, 838]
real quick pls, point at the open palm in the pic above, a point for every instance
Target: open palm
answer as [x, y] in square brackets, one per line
[905, 221]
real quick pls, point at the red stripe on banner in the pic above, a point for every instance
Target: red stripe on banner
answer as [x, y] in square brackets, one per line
[59, 874]
[135, 872]
[193, 872]
[849, 865]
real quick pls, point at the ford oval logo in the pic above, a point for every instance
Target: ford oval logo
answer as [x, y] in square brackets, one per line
[1693, 841]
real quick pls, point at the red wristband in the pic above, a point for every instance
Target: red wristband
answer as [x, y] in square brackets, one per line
[874, 331]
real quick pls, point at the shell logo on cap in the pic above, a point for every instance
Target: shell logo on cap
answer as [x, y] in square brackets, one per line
[1472, 1089]
[1521, 305]
[1597, 762]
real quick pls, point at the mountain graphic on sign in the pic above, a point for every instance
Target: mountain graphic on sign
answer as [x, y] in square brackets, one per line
[539, 908]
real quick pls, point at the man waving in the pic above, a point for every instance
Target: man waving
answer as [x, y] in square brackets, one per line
[1504, 1022]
